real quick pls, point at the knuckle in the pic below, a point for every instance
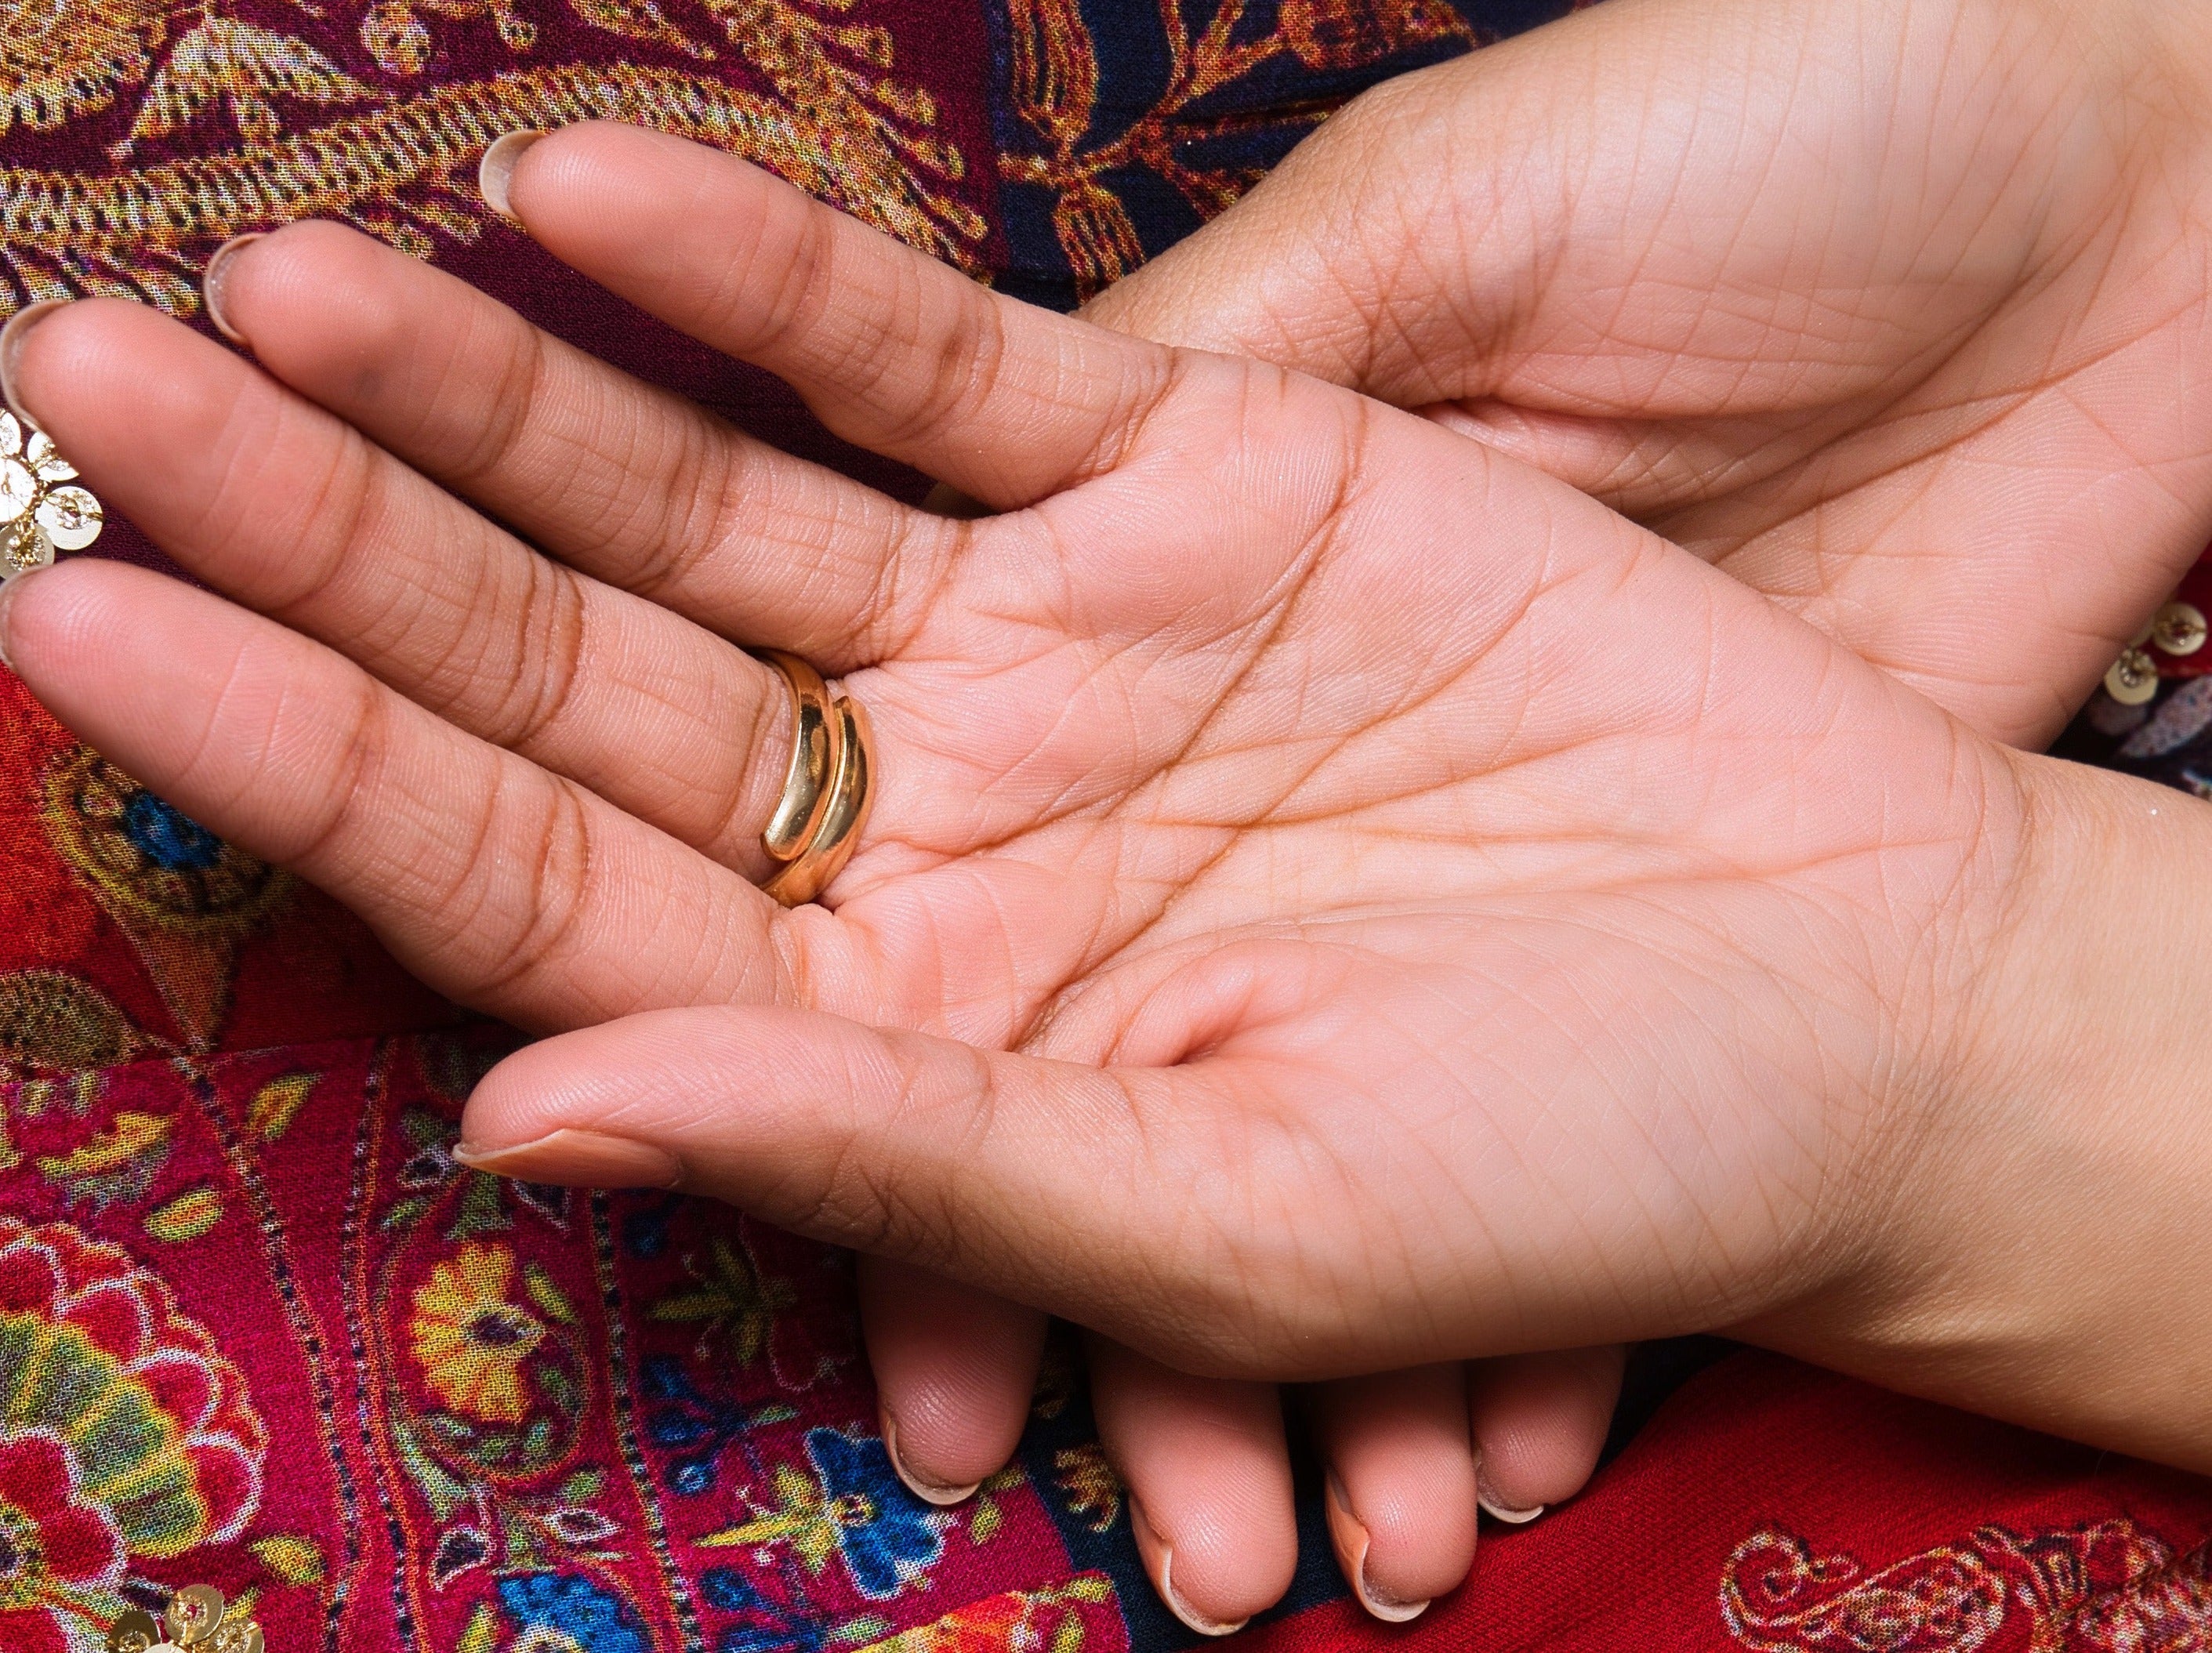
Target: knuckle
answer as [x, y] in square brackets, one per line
[551, 629]
[547, 904]
[498, 369]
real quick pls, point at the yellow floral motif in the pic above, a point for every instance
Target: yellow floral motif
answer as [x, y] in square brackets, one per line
[1092, 1487]
[471, 1338]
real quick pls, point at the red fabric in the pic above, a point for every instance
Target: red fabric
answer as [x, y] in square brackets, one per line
[1773, 1507]
[257, 1329]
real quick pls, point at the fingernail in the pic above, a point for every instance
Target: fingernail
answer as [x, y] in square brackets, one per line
[11, 347]
[1352, 1540]
[1159, 1562]
[578, 1159]
[212, 278]
[497, 170]
[929, 1491]
[1486, 1496]
[8, 589]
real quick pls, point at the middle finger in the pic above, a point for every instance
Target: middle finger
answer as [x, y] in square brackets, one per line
[622, 479]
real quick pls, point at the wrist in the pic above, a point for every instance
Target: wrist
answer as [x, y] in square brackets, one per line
[2029, 1218]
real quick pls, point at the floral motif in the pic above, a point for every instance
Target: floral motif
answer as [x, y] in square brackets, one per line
[1189, 137]
[42, 509]
[148, 858]
[2107, 1587]
[1093, 1489]
[854, 1505]
[53, 1546]
[1013, 1623]
[472, 1340]
[123, 1435]
[565, 1612]
[159, 1429]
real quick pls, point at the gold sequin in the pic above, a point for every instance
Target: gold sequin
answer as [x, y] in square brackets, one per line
[2133, 679]
[2179, 629]
[197, 1618]
[42, 510]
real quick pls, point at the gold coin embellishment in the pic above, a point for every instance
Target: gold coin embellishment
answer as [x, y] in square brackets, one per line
[195, 1612]
[24, 546]
[134, 1633]
[41, 511]
[49, 465]
[19, 491]
[2179, 629]
[71, 517]
[2133, 679]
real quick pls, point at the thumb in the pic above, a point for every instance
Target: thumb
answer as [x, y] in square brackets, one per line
[1403, 247]
[1034, 1178]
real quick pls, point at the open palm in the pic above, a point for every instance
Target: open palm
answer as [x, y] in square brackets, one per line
[1276, 707]
[1335, 897]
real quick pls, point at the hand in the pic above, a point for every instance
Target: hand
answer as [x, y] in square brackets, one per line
[1896, 311]
[1928, 374]
[1114, 853]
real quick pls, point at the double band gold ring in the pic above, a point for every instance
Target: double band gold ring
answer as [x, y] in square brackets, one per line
[827, 791]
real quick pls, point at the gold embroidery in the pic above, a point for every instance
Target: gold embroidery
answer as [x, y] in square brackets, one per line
[2104, 1587]
[1054, 93]
[832, 120]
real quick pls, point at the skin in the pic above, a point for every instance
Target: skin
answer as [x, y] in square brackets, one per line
[1930, 375]
[1159, 1399]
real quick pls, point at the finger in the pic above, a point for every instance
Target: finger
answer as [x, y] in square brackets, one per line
[955, 1369]
[502, 885]
[1540, 1421]
[1402, 1484]
[633, 485]
[1208, 1474]
[893, 351]
[273, 501]
[1009, 1171]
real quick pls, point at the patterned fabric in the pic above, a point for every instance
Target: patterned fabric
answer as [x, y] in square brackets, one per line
[259, 1331]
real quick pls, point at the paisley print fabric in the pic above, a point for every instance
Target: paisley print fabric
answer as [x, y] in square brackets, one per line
[259, 1331]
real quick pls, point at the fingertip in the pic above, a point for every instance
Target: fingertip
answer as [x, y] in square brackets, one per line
[215, 285]
[1402, 1489]
[1540, 1424]
[53, 618]
[495, 172]
[955, 1372]
[1355, 1544]
[923, 1484]
[1158, 1557]
[13, 339]
[1207, 1470]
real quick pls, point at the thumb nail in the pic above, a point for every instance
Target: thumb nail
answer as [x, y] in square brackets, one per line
[578, 1159]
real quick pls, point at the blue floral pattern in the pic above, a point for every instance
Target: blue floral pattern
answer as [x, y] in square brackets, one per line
[886, 1534]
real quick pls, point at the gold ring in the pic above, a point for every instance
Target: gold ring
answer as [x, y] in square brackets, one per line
[806, 787]
[827, 792]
